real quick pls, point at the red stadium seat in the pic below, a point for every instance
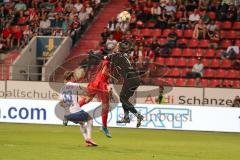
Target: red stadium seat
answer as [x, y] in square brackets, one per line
[215, 63]
[176, 52]
[170, 61]
[181, 62]
[212, 15]
[166, 32]
[135, 32]
[160, 61]
[182, 41]
[175, 72]
[164, 72]
[236, 25]
[227, 25]
[180, 82]
[179, 33]
[204, 82]
[185, 71]
[191, 62]
[218, 53]
[187, 52]
[205, 62]
[226, 63]
[188, 33]
[204, 43]
[170, 81]
[237, 42]
[225, 43]
[159, 81]
[236, 84]
[146, 32]
[191, 82]
[232, 34]
[162, 41]
[220, 73]
[231, 73]
[148, 41]
[219, 24]
[208, 73]
[210, 53]
[223, 34]
[157, 32]
[214, 83]
[193, 43]
[227, 83]
[198, 52]
[150, 24]
[238, 56]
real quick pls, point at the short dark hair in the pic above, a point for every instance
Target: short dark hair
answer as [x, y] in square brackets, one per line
[124, 46]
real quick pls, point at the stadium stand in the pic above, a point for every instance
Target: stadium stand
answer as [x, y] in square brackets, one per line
[171, 17]
[152, 26]
[20, 20]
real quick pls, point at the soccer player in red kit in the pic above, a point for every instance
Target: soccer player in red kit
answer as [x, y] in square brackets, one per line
[98, 87]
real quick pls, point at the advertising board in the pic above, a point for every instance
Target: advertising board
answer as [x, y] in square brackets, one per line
[172, 117]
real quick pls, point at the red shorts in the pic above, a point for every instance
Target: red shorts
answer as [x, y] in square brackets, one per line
[100, 89]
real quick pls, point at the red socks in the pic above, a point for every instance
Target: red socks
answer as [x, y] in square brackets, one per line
[104, 116]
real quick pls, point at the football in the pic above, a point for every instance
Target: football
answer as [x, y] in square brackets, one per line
[124, 16]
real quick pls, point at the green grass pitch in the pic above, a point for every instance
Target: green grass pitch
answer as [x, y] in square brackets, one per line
[51, 142]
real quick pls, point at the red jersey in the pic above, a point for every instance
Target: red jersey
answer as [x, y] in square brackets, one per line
[101, 78]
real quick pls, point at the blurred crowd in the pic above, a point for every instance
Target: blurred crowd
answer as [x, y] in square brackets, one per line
[20, 20]
[202, 17]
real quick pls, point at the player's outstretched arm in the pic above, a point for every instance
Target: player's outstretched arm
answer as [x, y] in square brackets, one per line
[92, 54]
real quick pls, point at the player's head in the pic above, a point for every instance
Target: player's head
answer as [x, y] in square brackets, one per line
[115, 48]
[78, 74]
[124, 46]
[75, 75]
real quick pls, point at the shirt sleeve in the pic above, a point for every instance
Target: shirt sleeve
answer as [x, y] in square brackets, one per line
[194, 68]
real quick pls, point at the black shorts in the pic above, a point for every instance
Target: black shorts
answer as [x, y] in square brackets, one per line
[80, 116]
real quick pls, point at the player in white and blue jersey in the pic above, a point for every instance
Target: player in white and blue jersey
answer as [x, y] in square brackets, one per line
[69, 100]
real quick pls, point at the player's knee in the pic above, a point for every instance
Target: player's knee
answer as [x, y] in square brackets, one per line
[90, 119]
[123, 99]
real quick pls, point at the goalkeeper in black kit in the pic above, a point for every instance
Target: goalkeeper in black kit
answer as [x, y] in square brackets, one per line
[123, 68]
